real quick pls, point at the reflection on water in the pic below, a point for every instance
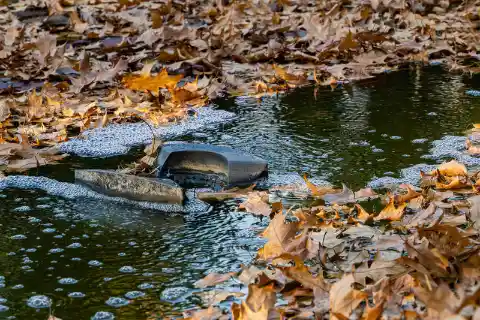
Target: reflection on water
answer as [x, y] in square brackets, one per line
[354, 133]
[94, 256]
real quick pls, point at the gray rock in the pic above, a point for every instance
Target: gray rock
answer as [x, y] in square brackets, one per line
[131, 187]
[204, 164]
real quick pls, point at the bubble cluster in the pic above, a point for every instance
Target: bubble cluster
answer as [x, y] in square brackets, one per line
[117, 302]
[95, 263]
[134, 294]
[103, 315]
[39, 302]
[67, 281]
[76, 295]
[127, 269]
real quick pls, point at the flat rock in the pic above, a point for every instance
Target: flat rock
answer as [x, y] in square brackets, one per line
[209, 165]
[131, 187]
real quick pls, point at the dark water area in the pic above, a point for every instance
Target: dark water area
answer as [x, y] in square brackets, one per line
[83, 254]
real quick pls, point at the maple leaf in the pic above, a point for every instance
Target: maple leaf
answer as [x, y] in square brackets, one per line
[390, 212]
[259, 302]
[256, 203]
[344, 299]
[213, 279]
[152, 83]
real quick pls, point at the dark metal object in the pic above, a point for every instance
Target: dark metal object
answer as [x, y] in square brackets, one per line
[194, 164]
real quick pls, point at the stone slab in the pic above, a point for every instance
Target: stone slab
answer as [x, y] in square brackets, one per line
[207, 165]
[131, 187]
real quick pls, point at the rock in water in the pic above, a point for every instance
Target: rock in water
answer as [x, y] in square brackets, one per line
[204, 164]
[131, 187]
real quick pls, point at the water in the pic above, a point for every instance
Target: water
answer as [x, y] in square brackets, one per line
[87, 257]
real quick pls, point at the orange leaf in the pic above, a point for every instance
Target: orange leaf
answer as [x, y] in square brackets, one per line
[343, 298]
[451, 169]
[362, 214]
[143, 82]
[411, 194]
[316, 190]
[390, 212]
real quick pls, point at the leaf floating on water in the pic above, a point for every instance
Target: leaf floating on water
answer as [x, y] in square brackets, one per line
[213, 279]
[256, 203]
[316, 190]
[343, 197]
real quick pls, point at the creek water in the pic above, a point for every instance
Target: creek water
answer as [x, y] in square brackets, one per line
[89, 256]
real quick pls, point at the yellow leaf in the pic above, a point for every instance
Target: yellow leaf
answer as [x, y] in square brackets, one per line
[68, 112]
[316, 190]
[362, 214]
[390, 212]
[161, 80]
[451, 169]
[454, 184]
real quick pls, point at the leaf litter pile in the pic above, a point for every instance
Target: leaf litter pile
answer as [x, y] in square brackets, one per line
[418, 257]
[72, 65]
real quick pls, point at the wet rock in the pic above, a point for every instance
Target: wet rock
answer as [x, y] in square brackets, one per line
[209, 165]
[131, 187]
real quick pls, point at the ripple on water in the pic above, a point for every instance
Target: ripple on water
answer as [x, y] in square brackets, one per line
[49, 230]
[39, 302]
[134, 294]
[172, 294]
[76, 295]
[127, 269]
[18, 237]
[22, 209]
[74, 245]
[67, 281]
[117, 302]
[56, 250]
[4, 308]
[95, 263]
[103, 315]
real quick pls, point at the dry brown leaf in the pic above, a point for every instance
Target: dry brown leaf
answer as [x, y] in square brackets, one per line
[411, 194]
[213, 279]
[161, 80]
[256, 203]
[316, 190]
[451, 169]
[344, 298]
[390, 212]
[260, 301]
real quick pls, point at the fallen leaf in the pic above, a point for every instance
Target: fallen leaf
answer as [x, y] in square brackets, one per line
[257, 204]
[451, 169]
[344, 299]
[213, 279]
[390, 212]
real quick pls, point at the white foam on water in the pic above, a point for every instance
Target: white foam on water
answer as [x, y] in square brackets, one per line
[445, 149]
[118, 139]
[74, 192]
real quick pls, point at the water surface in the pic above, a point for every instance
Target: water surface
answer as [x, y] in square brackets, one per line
[83, 254]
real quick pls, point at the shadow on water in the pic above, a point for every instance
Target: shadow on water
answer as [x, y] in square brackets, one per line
[351, 135]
